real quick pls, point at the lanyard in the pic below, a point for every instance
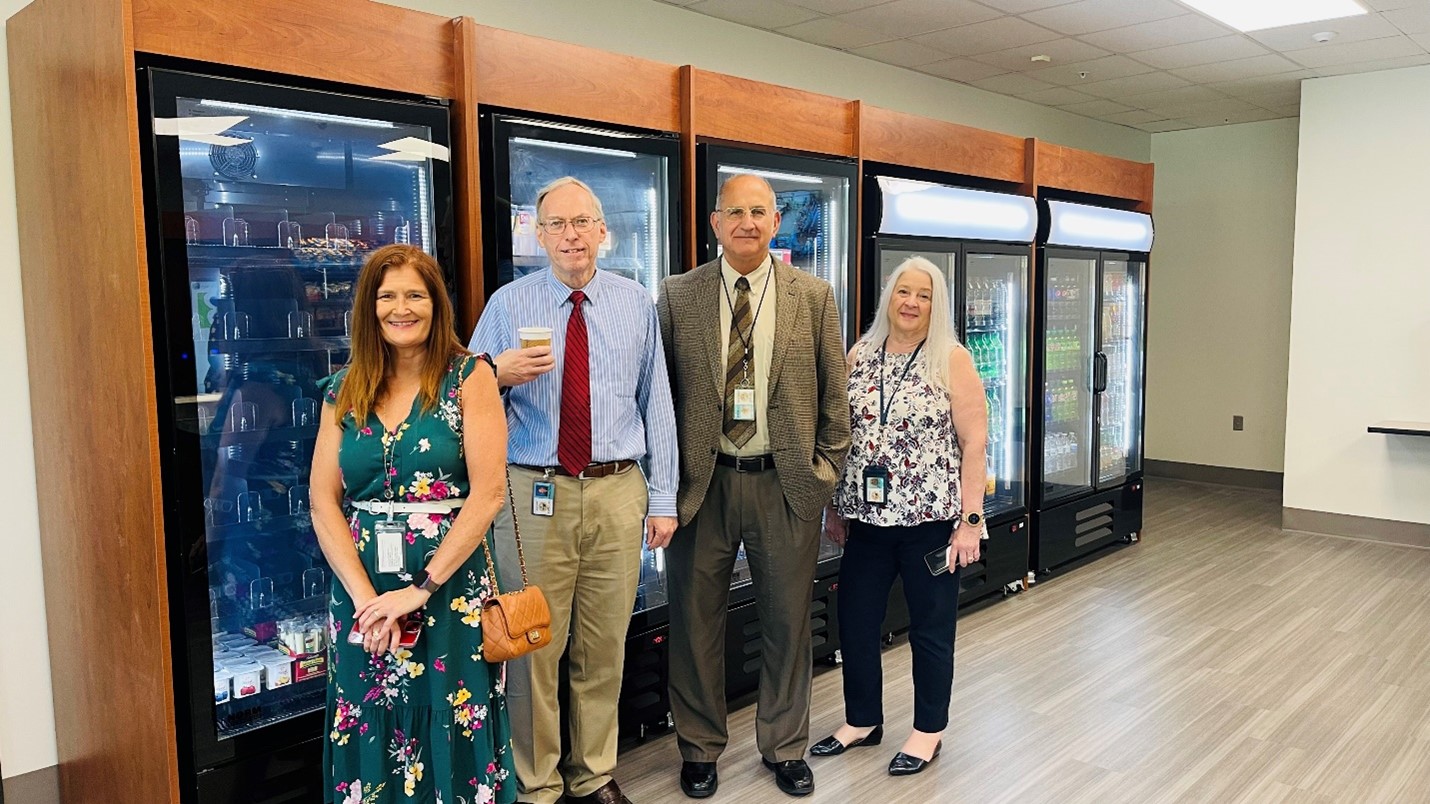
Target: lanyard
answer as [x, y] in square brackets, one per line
[885, 407]
[747, 343]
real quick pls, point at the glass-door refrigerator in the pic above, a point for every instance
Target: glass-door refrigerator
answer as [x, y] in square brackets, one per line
[1090, 372]
[982, 242]
[636, 175]
[261, 202]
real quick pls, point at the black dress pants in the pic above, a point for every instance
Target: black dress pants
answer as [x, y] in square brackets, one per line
[873, 557]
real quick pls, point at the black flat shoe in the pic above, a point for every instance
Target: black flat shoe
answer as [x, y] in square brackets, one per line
[830, 747]
[907, 765]
[793, 776]
[699, 779]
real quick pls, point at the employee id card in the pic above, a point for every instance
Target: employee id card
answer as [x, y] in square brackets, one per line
[744, 400]
[391, 557]
[876, 485]
[543, 498]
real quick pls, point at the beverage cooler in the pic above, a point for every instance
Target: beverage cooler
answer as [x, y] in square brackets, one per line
[262, 202]
[636, 175]
[982, 242]
[1090, 372]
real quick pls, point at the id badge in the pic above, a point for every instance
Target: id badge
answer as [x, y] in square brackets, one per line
[543, 498]
[744, 404]
[391, 557]
[876, 485]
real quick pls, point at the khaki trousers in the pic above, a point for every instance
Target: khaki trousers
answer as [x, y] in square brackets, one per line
[586, 559]
[782, 550]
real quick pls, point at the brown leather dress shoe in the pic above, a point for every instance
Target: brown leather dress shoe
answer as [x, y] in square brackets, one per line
[608, 793]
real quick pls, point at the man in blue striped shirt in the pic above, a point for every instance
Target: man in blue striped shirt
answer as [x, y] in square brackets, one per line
[581, 415]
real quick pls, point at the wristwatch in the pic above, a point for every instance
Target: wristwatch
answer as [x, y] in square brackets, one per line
[973, 518]
[423, 580]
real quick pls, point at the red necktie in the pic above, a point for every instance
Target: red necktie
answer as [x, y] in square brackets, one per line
[573, 443]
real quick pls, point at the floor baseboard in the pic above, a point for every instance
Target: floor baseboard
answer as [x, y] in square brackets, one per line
[36, 787]
[1218, 475]
[1389, 531]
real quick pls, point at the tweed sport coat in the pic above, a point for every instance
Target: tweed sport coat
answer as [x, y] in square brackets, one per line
[808, 406]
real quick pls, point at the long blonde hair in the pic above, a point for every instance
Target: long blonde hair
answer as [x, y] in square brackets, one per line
[942, 337]
[371, 355]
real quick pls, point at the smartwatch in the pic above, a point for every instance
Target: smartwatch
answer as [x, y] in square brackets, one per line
[423, 580]
[973, 518]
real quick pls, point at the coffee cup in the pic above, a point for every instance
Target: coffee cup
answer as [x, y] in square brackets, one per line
[534, 336]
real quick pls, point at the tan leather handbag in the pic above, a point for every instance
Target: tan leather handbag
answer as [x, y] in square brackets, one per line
[515, 623]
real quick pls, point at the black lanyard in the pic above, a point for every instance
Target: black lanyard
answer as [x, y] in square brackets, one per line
[883, 407]
[748, 344]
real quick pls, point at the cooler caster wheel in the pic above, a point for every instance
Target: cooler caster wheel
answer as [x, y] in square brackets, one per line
[1013, 588]
[888, 640]
[836, 658]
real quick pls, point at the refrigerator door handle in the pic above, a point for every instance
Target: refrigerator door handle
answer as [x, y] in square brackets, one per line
[1099, 373]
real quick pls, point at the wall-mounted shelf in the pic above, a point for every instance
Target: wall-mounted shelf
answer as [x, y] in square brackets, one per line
[1400, 428]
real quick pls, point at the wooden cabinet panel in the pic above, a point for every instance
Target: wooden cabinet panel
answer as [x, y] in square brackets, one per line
[541, 75]
[466, 178]
[353, 41]
[740, 110]
[906, 139]
[1087, 172]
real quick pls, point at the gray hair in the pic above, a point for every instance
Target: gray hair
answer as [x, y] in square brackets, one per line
[556, 184]
[720, 196]
[942, 338]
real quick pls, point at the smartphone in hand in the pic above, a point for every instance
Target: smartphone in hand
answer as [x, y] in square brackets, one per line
[938, 560]
[411, 630]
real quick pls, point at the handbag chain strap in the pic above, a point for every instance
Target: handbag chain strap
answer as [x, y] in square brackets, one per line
[511, 501]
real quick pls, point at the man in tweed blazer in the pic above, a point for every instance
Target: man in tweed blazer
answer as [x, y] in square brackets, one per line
[757, 369]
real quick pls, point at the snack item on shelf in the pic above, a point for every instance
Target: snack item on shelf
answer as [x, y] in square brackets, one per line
[223, 685]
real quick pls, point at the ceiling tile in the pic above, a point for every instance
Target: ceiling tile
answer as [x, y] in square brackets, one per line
[755, 13]
[1223, 48]
[1390, 5]
[1056, 96]
[1103, 69]
[679, 2]
[1230, 118]
[1186, 111]
[1270, 64]
[1096, 108]
[1410, 20]
[1011, 84]
[1275, 99]
[1133, 84]
[1161, 126]
[1169, 97]
[835, 33]
[986, 37]
[1087, 16]
[1391, 47]
[1347, 29]
[836, 6]
[1374, 66]
[1160, 33]
[1020, 6]
[905, 18]
[1059, 50]
[1264, 84]
[1293, 110]
[1132, 117]
[964, 70]
[901, 53]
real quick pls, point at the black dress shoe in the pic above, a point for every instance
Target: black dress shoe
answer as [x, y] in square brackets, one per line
[829, 747]
[793, 776]
[907, 765]
[608, 793]
[699, 779]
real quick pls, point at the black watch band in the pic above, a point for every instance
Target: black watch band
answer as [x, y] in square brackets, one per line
[423, 580]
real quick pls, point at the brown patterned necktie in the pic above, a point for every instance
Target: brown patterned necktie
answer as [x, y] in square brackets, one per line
[736, 370]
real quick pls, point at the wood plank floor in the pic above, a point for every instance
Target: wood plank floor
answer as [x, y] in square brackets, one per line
[1219, 660]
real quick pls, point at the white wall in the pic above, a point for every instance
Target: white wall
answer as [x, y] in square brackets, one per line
[637, 27]
[1360, 313]
[1220, 313]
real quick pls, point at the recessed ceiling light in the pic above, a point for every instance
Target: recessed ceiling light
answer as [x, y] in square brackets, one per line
[1254, 15]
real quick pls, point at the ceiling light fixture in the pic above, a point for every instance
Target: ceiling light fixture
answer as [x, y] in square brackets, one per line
[1323, 36]
[1255, 15]
[1043, 57]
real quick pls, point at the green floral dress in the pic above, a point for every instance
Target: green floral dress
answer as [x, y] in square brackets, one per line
[428, 724]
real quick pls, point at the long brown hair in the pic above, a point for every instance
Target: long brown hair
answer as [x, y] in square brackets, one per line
[371, 354]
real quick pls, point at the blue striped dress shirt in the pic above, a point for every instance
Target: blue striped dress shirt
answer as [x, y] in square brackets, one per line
[632, 415]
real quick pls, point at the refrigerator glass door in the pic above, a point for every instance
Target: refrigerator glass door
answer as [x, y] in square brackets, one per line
[943, 255]
[269, 200]
[995, 333]
[632, 184]
[1120, 406]
[1068, 350]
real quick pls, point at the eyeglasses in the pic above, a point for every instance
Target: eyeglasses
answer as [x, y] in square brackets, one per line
[738, 214]
[555, 226]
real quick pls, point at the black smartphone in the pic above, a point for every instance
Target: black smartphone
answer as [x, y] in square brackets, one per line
[937, 560]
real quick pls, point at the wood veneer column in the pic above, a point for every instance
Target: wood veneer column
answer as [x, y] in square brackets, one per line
[466, 176]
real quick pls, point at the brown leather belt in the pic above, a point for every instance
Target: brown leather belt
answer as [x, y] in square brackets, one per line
[754, 463]
[591, 471]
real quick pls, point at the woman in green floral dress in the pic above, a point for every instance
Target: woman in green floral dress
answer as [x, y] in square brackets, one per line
[408, 472]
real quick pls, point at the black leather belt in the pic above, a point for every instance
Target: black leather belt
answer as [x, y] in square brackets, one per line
[754, 463]
[591, 470]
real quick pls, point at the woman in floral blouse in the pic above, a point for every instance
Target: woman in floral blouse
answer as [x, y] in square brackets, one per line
[408, 472]
[912, 487]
